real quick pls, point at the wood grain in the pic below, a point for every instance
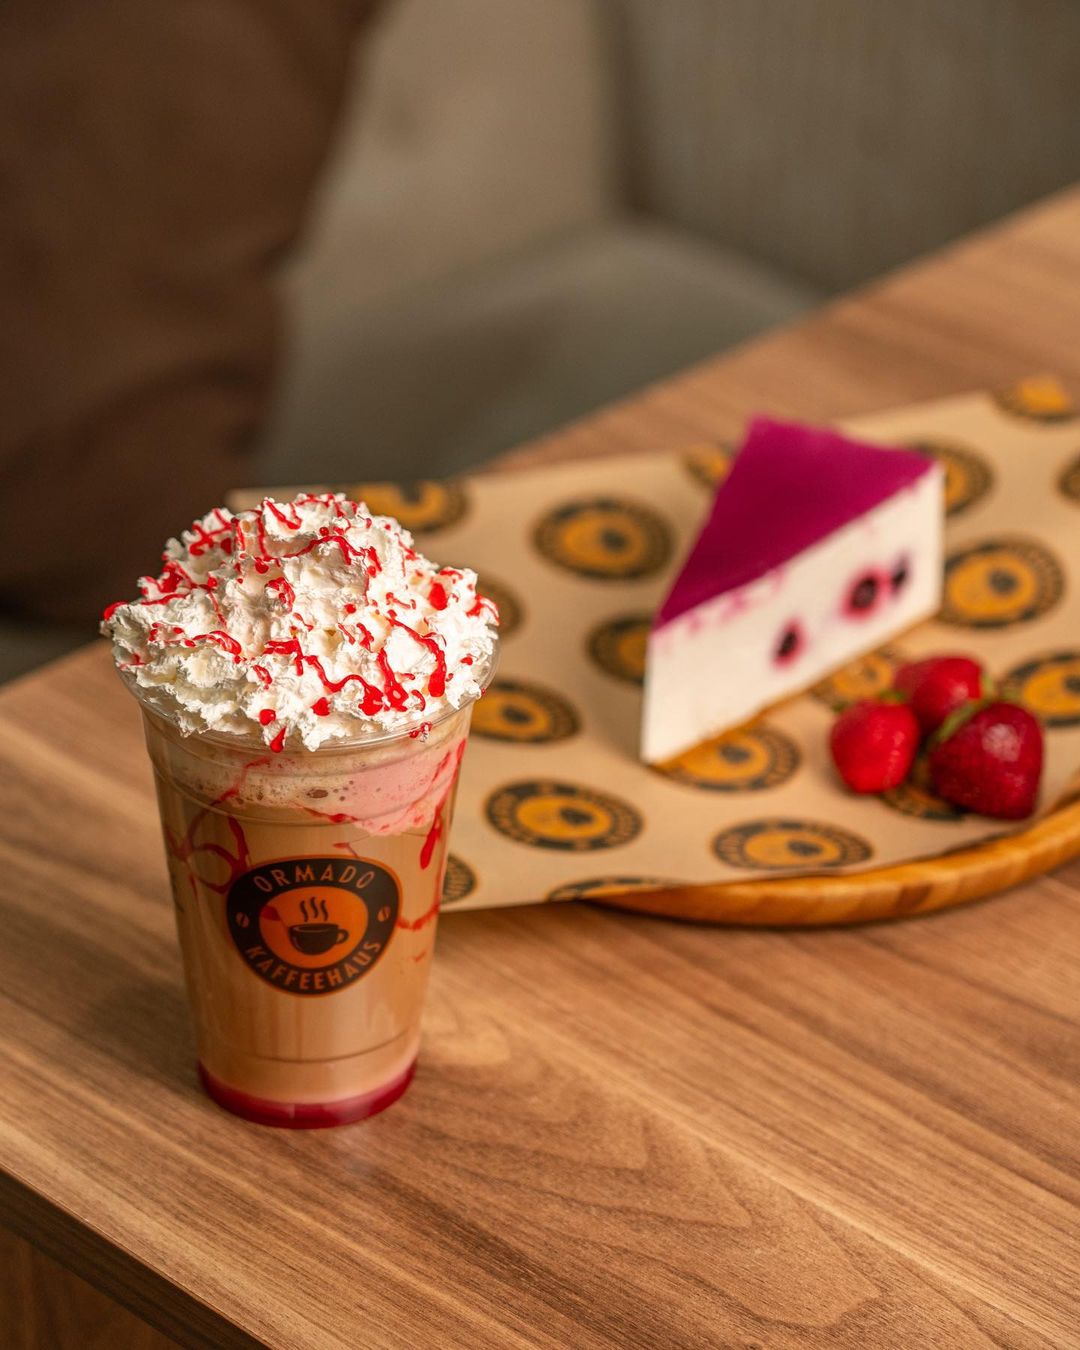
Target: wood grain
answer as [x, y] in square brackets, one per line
[625, 1131]
[44, 1307]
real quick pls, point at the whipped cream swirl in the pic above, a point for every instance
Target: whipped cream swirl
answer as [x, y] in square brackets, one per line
[303, 622]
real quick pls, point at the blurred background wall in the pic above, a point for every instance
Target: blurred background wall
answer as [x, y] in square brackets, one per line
[531, 207]
[537, 205]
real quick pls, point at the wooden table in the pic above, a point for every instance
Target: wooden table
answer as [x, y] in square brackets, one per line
[625, 1132]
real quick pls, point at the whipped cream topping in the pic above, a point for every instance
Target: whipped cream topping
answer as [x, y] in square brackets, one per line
[303, 622]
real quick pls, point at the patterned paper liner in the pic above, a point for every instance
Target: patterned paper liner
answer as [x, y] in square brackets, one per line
[554, 803]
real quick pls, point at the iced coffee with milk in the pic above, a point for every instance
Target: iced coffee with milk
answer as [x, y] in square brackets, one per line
[306, 679]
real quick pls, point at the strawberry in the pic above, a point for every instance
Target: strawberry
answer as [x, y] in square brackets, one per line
[988, 758]
[938, 685]
[873, 745]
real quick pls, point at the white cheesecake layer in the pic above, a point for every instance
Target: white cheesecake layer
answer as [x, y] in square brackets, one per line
[716, 666]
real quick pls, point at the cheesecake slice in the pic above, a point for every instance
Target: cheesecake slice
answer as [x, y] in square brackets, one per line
[817, 549]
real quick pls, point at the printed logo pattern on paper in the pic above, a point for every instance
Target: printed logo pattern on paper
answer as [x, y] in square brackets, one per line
[968, 477]
[313, 925]
[746, 759]
[605, 538]
[1048, 686]
[514, 710]
[1069, 482]
[866, 677]
[770, 845]
[423, 505]
[708, 464]
[618, 646]
[999, 582]
[459, 880]
[562, 816]
[1040, 398]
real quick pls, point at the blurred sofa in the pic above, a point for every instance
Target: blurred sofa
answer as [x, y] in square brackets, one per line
[535, 206]
[538, 205]
[472, 274]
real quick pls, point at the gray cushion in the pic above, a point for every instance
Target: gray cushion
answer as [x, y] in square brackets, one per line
[445, 376]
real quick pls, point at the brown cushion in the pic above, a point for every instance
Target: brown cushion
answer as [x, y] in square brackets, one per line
[155, 161]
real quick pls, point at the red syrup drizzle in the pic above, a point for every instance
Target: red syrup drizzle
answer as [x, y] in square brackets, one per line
[293, 523]
[335, 818]
[395, 693]
[283, 590]
[427, 849]
[482, 605]
[185, 850]
[437, 595]
[437, 678]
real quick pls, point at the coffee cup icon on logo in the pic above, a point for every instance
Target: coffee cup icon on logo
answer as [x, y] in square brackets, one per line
[315, 938]
[317, 934]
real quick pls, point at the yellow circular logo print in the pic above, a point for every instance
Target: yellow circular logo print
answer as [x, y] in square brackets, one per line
[512, 710]
[867, 677]
[1039, 399]
[1000, 582]
[708, 464]
[563, 816]
[423, 505]
[912, 799]
[775, 845]
[747, 759]
[604, 538]
[1069, 482]
[1049, 687]
[459, 880]
[968, 477]
[618, 646]
[597, 886]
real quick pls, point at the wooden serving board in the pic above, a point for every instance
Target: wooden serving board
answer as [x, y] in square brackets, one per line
[898, 892]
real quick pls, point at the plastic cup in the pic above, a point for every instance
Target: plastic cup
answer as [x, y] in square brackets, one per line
[307, 888]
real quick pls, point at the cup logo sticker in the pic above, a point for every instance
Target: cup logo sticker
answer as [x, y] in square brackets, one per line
[618, 646]
[774, 845]
[1038, 399]
[512, 710]
[708, 464]
[423, 505]
[968, 477]
[604, 538]
[562, 816]
[1049, 687]
[1069, 482]
[999, 582]
[459, 880]
[867, 677]
[746, 759]
[313, 925]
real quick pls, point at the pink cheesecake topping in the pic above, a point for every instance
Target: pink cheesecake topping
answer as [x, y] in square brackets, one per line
[789, 487]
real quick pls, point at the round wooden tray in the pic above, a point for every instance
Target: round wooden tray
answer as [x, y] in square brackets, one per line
[896, 892]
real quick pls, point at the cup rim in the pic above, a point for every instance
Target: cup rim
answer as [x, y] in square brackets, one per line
[340, 744]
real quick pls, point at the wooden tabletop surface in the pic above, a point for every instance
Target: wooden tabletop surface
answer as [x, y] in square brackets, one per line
[624, 1131]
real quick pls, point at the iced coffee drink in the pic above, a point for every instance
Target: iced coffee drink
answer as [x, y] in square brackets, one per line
[306, 680]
